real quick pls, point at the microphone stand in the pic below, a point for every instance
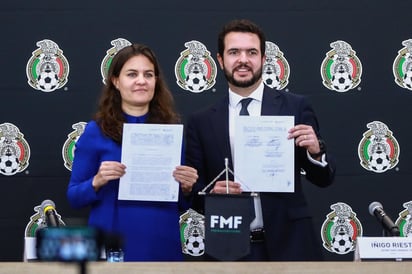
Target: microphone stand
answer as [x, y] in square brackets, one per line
[393, 232]
[227, 175]
[226, 170]
[83, 267]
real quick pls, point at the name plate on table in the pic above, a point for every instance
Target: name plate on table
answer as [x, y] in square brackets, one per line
[383, 248]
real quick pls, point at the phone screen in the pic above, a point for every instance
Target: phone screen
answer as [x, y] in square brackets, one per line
[70, 244]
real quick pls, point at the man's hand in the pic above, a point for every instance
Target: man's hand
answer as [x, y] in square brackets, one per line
[305, 136]
[233, 188]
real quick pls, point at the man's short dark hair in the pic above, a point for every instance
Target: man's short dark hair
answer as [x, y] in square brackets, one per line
[240, 25]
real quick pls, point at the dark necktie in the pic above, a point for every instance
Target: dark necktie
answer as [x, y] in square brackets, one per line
[245, 102]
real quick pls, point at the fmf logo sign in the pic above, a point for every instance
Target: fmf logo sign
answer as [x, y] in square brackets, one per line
[220, 222]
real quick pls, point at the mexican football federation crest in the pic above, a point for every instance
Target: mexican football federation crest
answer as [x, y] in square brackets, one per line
[275, 73]
[340, 229]
[117, 44]
[14, 150]
[47, 69]
[192, 233]
[195, 69]
[378, 150]
[404, 221]
[341, 69]
[38, 221]
[402, 66]
[69, 144]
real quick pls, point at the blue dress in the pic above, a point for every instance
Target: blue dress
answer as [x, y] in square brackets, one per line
[150, 229]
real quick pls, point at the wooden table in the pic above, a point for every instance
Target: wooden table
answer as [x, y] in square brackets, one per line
[207, 267]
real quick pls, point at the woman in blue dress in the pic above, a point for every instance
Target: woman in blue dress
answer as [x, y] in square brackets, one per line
[135, 92]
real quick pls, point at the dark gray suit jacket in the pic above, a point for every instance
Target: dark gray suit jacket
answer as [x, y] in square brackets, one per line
[287, 220]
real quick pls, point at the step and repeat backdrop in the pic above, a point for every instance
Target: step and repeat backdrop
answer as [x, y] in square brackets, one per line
[352, 59]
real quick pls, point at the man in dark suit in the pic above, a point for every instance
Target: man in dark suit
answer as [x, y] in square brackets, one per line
[283, 229]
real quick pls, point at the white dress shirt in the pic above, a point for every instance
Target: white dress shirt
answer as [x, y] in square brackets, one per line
[254, 109]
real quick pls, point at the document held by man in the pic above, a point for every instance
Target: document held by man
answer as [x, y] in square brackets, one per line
[263, 156]
[150, 152]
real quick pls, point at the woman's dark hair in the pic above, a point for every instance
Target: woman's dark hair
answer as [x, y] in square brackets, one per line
[110, 116]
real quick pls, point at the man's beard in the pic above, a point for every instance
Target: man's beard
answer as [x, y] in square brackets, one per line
[244, 83]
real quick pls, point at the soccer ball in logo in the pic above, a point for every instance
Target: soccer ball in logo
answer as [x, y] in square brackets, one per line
[342, 243]
[196, 80]
[407, 79]
[9, 164]
[47, 80]
[379, 161]
[195, 245]
[269, 77]
[341, 81]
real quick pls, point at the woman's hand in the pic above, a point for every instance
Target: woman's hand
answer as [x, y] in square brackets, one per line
[108, 170]
[187, 176]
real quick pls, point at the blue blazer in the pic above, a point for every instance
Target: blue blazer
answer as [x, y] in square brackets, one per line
[150, 229]
[287, 220]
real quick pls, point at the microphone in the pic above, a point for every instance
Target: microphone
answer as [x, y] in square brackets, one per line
[50, 214]
[376, 209]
